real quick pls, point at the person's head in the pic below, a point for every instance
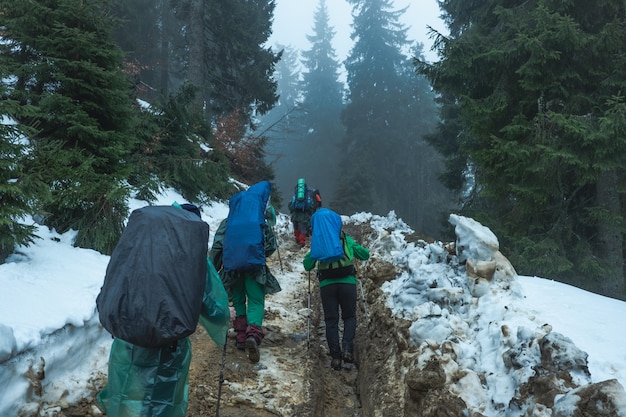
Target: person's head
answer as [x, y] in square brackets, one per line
[191, 208]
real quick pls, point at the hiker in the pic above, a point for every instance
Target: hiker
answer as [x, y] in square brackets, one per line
[241, 245]
[333, 251]
[303, 204]
[154, 381]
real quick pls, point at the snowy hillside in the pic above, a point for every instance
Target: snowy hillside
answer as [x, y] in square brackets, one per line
[442, 324]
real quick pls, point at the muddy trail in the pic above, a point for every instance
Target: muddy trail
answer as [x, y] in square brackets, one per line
[293, 376]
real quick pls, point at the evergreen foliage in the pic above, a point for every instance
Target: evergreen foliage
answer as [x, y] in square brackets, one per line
[240, 67]
[67, 66]
[281, 124]
[15, 196]
[175, 150]
[92, 143]
[149, 34]
[534, 93]
[217, 47]
[390, 108]
[322, 104]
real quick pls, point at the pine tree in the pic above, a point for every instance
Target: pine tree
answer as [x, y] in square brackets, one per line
[239, 66]
[150, 35]
[389, 111]
[67, 66]
[322, 103]
[175, 149]
[15, 193]
[537, 88]
[281, 124]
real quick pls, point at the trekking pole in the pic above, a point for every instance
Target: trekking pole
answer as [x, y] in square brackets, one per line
[278, 252]
[308, 332]
[219, 389]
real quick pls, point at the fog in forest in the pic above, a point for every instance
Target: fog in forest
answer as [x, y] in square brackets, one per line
[360, 144]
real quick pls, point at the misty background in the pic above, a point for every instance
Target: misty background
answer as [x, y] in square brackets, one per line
[316, 130]
[517, 120]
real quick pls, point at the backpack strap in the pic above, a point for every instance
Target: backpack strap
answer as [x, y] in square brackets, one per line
[339, 269]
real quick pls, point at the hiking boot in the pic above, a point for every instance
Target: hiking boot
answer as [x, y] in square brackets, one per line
[253, 350]
[347, 357]
[239, 325]
[336, 364]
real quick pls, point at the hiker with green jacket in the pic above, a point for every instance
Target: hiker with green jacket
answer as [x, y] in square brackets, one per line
[154, 381]
[247, 288]
[337, 282]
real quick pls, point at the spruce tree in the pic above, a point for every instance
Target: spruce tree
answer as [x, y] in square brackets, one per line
[281, 125]
[175, 149]
[238, 65]
[537, 88]
[16, 195]
[67, 66]
[389, 110]
[322, 103]
[150, 35]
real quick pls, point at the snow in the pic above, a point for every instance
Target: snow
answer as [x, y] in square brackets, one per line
[48, 319]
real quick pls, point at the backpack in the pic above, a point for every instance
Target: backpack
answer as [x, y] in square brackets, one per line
[328, 246]
[338, 269]
[305, 198]
[244, 246]
[154, 283]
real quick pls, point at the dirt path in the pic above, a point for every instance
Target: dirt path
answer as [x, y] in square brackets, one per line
[293, 377]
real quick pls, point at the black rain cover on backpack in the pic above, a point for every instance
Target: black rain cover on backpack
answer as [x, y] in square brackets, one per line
[154, 282]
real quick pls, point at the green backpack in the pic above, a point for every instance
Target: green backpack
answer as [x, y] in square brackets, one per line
[339, 269]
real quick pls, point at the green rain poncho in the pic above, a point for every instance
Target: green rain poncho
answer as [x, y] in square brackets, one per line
[147, 382]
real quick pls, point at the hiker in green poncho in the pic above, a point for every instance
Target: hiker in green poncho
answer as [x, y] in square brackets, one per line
[144, 381]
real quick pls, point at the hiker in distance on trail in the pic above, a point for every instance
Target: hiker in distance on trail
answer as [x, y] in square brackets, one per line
[305, 201]
[333, 251]
[242, 243]
[152, 299]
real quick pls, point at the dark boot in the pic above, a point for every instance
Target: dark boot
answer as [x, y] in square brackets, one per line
[240, 324]
[348, 348]
[253, 350]
[336, 364]
[254, 337]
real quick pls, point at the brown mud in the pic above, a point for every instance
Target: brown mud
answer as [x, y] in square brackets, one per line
[293, 377]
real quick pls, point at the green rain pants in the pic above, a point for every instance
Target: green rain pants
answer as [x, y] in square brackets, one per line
[250, 290]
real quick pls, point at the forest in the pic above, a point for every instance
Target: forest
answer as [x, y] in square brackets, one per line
[519, 124]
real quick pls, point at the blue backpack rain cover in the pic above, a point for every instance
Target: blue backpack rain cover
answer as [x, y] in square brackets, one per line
[326, 243]
[244, 246]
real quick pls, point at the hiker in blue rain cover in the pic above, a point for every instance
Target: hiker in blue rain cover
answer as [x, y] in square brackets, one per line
[152, 298]
[242, 243]
[333, 252]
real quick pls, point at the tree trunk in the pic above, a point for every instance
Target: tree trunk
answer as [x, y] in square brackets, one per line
[196, 70]
[164, 52]
[610, 236]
